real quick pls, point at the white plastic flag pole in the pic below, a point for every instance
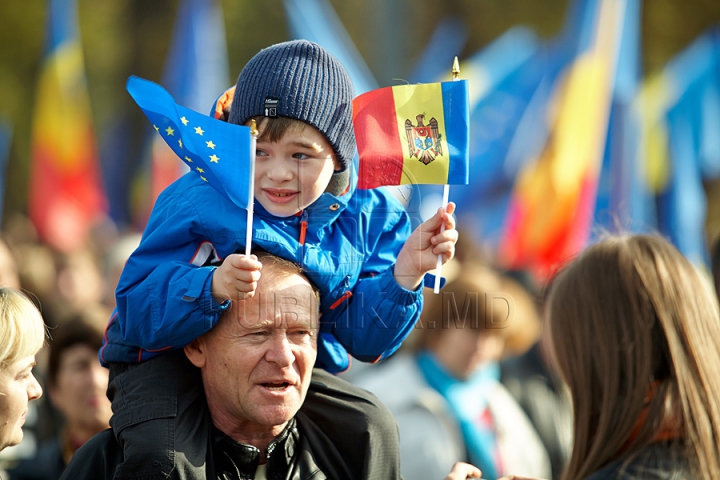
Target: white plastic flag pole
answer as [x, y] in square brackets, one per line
[446, 193]
[251, 193]
[438, 268]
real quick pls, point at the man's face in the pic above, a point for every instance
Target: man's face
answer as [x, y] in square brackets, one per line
[257, 361]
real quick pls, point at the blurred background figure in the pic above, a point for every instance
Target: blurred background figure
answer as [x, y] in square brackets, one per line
[444, 386]
[9, 276]
[76, 385]
[715, 265]
[114, 261]
[534, 383]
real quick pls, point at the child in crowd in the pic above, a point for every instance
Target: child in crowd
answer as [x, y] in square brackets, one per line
[356, 246]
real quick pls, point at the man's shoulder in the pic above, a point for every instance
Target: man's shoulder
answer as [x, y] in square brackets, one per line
[97, 458]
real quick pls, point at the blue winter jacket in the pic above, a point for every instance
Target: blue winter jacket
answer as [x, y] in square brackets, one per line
[346, 244]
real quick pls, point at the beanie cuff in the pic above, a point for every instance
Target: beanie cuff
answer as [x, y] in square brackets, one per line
[339, 182]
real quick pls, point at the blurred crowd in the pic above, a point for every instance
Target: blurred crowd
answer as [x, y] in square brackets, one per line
[519, 421]
[473, 381]
[476, 381]
[75, 294]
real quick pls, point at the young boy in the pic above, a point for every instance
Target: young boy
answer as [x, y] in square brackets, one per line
[355, 246]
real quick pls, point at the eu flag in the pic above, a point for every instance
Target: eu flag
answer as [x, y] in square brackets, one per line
[219, 152]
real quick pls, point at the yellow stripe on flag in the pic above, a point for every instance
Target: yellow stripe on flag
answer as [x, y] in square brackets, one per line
[421, 103]
[62, 119]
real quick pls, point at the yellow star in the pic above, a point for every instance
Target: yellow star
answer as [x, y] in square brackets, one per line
[199, 130]
[184, 120]
[170, 131]
[200, 170]
[156, 128]
[180, 142]
[210, 144]
[214, 158]
[204, 179]
[188, 159]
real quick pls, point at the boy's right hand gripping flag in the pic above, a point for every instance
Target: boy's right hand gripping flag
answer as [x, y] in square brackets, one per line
[219, 152]
[412, 134]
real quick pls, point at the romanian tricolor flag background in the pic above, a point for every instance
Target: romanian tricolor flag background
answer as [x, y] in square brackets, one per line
[553, 201]
[413, 134]
[65, 194]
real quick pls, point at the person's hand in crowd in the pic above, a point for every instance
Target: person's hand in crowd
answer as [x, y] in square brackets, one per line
[236, 278]
[463, 471]
[515, 477]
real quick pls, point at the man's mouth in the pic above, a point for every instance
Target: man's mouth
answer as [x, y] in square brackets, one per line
[276, 386]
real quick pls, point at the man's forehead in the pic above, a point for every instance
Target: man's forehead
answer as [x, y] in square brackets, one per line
[281, 307]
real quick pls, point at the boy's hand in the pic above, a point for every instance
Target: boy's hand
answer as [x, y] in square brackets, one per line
[236, 278]
[420, 252]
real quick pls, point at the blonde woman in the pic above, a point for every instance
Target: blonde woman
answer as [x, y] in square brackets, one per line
[635, 333]
[22, 333]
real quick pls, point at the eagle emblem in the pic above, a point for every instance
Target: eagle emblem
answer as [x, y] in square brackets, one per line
[423, 140]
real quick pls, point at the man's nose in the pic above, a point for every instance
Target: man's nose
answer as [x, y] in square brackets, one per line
[280, 351]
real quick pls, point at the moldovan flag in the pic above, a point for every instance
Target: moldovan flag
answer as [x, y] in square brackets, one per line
[413, 134]
[219, 152]
[65, 194]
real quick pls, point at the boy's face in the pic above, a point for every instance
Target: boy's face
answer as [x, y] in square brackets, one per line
[293, 172]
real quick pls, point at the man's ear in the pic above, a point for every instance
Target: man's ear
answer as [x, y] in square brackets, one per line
[195, 352]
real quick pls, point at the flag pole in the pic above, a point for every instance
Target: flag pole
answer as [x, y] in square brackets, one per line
[446, 191]
[251, 187]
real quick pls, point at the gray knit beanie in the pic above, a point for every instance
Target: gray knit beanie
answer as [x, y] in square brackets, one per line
[301, 80]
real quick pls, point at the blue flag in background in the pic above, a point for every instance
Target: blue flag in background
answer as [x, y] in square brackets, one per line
[220, 153]
[196, 72]
[511, 82]
[6, 134]
[197, 66]
[624, 203]
[315, 20]
[689, 95]
[446, 42]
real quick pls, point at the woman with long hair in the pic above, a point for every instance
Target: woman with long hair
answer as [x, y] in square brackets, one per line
[635, 333]
[22, 333]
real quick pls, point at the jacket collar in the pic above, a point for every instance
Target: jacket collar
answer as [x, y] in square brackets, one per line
[239, 461]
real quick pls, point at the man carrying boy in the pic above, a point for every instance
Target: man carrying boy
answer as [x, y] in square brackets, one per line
[255, 366]
[355, 246]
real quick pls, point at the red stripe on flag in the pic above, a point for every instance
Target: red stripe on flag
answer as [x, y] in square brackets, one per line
[376, 129]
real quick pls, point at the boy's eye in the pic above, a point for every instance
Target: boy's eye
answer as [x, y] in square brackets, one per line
[301, 156]
[260, 153]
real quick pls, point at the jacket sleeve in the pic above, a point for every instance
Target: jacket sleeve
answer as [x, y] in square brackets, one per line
[380, 314]
[163, 299]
